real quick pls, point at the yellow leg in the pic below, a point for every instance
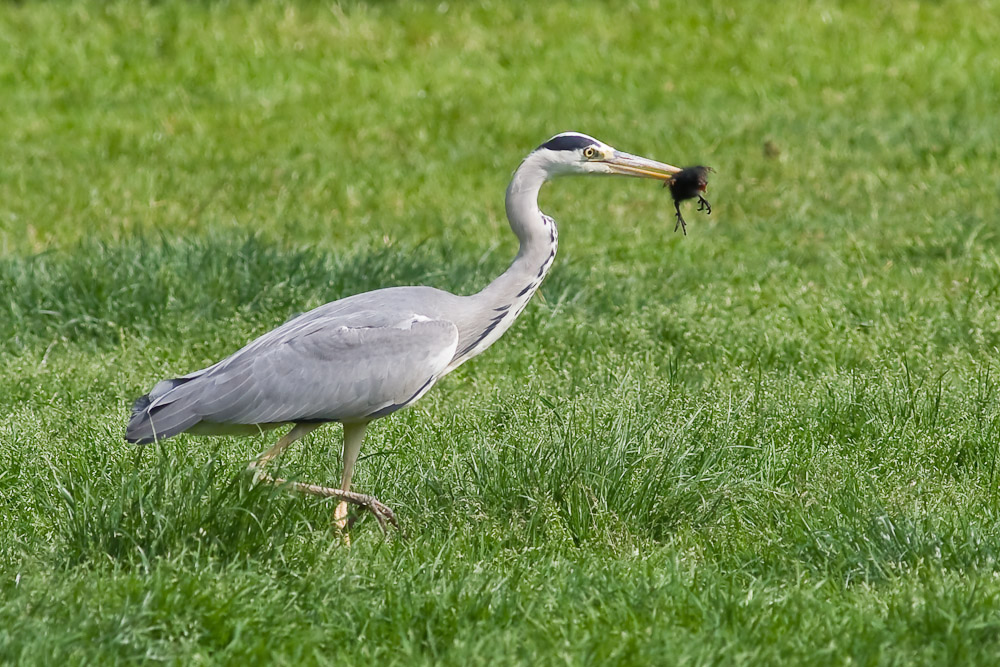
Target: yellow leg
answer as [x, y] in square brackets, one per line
[354, 435]
[298, 431]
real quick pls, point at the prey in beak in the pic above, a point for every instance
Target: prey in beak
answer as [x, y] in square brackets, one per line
[688, 183]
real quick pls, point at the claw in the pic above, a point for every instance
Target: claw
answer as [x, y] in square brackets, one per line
[382, 513]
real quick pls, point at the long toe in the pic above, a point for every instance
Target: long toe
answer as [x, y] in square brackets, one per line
[382, 512]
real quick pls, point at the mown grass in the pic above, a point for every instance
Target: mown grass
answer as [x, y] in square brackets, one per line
[771, 441]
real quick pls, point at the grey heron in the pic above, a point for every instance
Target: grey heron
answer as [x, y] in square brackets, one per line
[366, 356]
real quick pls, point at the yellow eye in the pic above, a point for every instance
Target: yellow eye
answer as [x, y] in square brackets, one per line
[590, 152]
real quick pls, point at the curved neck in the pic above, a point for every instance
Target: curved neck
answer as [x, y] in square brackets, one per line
[536, 234]
[500, 302]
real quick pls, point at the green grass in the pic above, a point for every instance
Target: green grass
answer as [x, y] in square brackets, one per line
[772, 441]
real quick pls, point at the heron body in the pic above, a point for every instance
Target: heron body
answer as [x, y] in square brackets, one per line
[366, 356]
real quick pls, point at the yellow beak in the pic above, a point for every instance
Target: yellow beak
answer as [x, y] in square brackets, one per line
[639, 167]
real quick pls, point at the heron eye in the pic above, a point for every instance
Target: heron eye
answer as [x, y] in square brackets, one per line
[590, 152]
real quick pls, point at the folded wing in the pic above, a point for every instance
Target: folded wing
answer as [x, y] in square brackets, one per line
[310, 369]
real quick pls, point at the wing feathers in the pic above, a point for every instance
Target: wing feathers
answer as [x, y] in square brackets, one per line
[309, 369]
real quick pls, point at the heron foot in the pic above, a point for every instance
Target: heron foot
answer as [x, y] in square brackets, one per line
[382, 513]
[344, 522]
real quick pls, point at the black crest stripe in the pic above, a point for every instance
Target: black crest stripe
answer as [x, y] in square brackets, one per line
[568, 142]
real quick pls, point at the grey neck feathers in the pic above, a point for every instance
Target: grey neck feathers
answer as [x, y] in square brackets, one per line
[538, 238]
[499, 304]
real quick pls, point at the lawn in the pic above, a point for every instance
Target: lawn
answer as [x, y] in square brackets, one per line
[772, 441]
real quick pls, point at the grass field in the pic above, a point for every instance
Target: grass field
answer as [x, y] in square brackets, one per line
[772, 441]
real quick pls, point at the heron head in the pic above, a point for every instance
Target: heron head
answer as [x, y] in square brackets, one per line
[575, 153]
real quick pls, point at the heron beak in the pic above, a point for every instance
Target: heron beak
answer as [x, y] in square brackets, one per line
[639, 167]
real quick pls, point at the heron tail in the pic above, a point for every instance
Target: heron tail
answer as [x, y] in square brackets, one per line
[156, 416]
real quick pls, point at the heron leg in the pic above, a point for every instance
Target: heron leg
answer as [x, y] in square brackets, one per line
[354, 435]
[298, 431]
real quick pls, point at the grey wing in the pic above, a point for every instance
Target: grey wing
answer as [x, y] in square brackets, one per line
[340, 374]
[317, 370]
